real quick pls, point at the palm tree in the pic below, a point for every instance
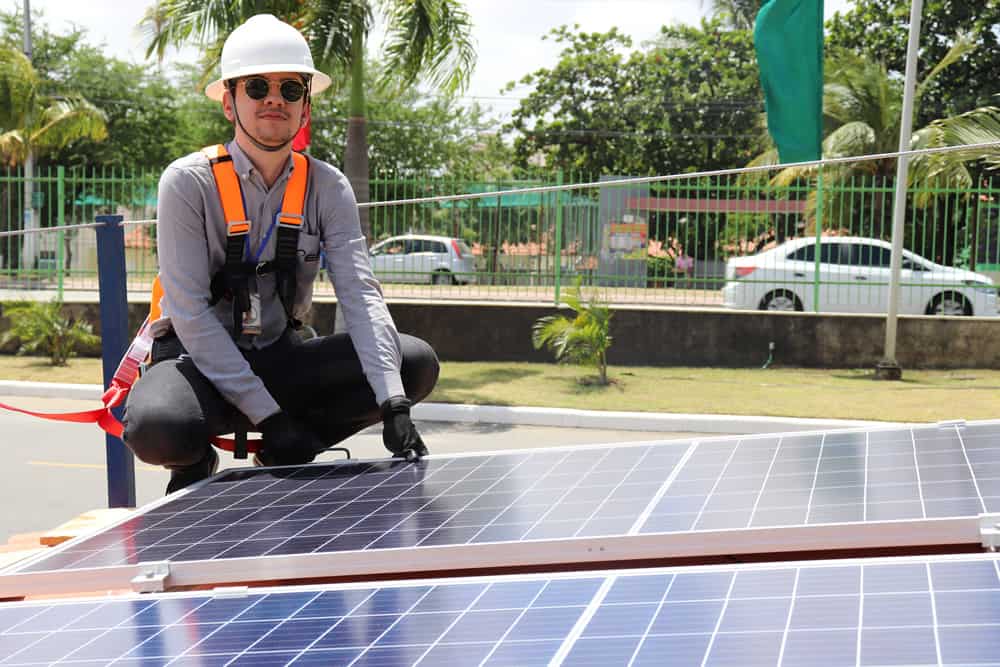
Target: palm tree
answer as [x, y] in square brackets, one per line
[33, 123]
[424, 39]
[862, 107]
[584, 340]
[739, 14]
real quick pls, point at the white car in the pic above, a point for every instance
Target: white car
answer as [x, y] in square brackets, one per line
[417, 258]
[854, 278]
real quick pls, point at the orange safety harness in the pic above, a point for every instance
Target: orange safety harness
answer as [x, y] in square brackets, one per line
[230, 282]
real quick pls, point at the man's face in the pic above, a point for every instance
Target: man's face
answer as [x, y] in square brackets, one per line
[271, 119]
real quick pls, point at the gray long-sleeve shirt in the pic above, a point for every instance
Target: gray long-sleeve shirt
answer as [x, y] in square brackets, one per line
[191, 242]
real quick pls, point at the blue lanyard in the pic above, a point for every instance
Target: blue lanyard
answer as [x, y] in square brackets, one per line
[263, 243]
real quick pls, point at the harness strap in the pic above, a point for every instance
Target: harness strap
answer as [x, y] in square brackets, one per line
[289, 226]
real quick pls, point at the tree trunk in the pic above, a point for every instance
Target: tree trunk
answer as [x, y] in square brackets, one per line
[356, 151]
[356, 168]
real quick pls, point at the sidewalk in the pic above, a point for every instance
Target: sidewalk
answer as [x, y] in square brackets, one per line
[458, 413]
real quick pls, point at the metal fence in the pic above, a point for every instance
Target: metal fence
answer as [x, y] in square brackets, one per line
[660, 243]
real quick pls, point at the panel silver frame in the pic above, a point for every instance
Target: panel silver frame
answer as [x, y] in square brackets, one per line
[503, 556]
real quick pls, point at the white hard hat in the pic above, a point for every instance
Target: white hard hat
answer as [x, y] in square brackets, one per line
[264, 45]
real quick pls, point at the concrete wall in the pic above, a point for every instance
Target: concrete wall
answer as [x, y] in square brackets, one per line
[698, 337]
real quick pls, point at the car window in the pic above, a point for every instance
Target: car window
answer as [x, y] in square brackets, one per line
[437, 246]
[913, 264]
[830, 253]
[876, 256]
[389, 248]
[414, 245]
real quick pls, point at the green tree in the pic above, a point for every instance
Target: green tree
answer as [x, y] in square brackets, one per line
[41, 327]
[583, 340]
[411, 134]
[35, 122]
[688, 101]
[879, 28]
[424, 39]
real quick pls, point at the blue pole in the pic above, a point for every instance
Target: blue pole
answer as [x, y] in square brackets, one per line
[114, 343]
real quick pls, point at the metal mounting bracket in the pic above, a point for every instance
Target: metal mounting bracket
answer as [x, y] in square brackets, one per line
[989, 530]
[152, 577]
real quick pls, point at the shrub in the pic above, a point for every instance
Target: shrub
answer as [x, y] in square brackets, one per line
[41, 327]
[583, 340]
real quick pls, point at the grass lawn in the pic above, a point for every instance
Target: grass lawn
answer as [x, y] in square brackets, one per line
[788, 392]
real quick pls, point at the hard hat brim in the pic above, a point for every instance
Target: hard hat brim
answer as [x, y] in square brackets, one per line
[320, 81]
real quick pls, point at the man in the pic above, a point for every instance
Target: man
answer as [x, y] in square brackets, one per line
[226, 356]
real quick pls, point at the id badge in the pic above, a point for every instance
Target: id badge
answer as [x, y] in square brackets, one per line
[251, 318]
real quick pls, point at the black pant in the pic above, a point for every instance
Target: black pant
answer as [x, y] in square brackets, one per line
[173, 410]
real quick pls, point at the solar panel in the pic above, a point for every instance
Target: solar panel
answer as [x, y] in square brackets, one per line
[839, 489]
[835, 477]
[913, 611]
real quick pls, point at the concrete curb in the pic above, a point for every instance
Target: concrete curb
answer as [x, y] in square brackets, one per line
[528, 416]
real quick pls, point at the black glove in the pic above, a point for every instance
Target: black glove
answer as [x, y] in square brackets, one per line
[287, 441]
[399, 435]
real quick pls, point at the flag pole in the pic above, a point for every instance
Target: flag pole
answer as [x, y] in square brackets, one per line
[888, 368]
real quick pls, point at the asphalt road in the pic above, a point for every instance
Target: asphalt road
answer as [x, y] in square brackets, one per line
[54, 471]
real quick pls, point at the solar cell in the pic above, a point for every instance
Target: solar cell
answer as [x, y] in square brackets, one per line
[914, 611]
[567, 505]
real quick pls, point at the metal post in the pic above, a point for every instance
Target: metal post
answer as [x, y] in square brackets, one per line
[61, 221]
[888, 368]
[819, 239]
[29, 243]
[559, 226]
[114, 342]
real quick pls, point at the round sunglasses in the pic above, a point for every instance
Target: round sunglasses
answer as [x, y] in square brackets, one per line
[258, 88]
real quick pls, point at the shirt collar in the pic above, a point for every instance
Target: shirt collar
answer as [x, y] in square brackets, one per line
[244, 167]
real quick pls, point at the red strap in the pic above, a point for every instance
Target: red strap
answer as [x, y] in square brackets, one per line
[103, 417]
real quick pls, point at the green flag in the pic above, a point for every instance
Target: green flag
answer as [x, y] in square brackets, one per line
[789, 41]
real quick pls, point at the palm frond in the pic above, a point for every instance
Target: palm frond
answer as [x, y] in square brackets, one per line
[13, 147]
[979, 126]
[965, 43]
[432, 38]
[329, 29]
[68, 120]
[19, 83]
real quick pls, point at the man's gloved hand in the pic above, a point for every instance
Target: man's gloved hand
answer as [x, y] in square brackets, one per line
[286, 441]
[399, 435]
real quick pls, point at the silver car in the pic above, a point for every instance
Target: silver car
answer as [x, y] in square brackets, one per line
[418, 258]
[853, 278]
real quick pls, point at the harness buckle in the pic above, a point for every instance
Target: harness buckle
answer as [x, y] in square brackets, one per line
[238, 228]
[290, 220]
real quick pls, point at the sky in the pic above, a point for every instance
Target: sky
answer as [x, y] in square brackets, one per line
[507, 33]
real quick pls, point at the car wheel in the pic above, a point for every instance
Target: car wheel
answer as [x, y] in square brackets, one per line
[949, 303]
[781, 299]
[442, 278]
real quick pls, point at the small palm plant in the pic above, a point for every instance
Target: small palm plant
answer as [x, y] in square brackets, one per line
[583, 340]
[41, 327]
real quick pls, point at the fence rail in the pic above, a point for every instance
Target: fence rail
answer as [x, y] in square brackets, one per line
[657, 243]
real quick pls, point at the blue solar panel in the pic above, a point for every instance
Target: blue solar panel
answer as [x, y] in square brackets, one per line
[356, 506]
[550, 495]
[919, 611]
[835, 477]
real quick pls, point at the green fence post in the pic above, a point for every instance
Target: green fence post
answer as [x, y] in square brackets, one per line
[819, 236]
[61, 220]
[559, 226]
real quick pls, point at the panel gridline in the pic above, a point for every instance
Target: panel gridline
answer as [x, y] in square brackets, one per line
[835, 477]
[733, 483]
[348, 507]
[935, 611]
